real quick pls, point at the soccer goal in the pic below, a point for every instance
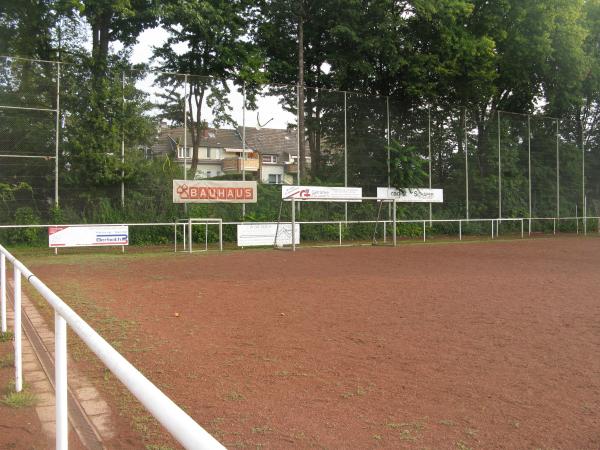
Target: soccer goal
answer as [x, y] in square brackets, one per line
[187, 228]
[366, 214]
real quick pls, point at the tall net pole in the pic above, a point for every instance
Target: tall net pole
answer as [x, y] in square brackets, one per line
[429, 152]
[529, 167]
[557, 174]
[57, 134]
[583, 196]
[185, 114]
[345, 152]
[122, 139]
[389, 177]
[244, 142]
[499, 172]
[466, 164]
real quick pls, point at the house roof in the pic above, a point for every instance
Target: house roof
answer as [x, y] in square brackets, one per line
[270, 141]
[168, 139]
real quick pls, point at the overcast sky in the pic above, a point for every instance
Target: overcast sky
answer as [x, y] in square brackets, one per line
[268, 110]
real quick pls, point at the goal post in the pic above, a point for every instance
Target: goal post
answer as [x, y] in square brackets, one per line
[187, 226]
[294, 224]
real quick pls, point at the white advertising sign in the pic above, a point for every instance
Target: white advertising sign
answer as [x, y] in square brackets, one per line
[250, 234]
[412, 195]
[98, 235]
[203, 191]
[322, 193]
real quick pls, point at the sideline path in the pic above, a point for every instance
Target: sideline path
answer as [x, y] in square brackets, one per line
[90, 416]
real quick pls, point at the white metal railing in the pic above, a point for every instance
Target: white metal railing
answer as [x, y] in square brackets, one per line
[494, 224]
[181, 426]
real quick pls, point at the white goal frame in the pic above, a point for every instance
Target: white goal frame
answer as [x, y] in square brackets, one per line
[294, 200]
[187, 226]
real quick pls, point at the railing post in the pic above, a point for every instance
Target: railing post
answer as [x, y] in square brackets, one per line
[394, 231]
[522, 229]
[554, 226]
[17, 334]
[424, 235]
[460, 230]
[190, 235]
[293, 224]
[221, 235]
[492, 228]
[3, 290]
[340, 232]
[60, 373]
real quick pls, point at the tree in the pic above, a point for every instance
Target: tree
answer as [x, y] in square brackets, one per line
[216, 51]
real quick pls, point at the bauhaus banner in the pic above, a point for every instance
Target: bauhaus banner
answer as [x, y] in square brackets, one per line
[203, 191]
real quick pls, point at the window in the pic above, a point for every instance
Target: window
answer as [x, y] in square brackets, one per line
[188, 153]
[208, 153]
[269, 159]
[208, 174]
[274, 178]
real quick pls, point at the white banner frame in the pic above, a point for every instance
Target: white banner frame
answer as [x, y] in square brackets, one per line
[218, 191]
[88, 236]
[263, 234]
[411, 195]
[321, 193]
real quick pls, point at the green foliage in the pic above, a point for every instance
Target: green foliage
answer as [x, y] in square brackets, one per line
[406, 166]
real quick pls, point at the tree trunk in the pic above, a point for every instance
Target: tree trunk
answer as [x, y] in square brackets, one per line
[302, 149]
[195, 125]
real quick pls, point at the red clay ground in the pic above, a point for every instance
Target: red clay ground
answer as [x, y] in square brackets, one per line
[453, 346]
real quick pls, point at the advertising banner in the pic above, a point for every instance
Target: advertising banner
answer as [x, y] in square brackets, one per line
[88, 236]
[204, 191]
[322, 193]
[411, 195]
[251, 234]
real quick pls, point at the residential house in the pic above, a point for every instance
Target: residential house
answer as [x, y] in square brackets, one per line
[271, 154]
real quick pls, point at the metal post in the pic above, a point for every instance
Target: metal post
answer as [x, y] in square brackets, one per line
[394, 231]
[221, 236]
[460, 230]
[183, 225]
[522, 229]
[206, 236]
[340, 232]
[585, 215]
[466, 164]
[60, 373]
[529, 165]
[429, 150]
[293, 224]
[244, 143]
[583, 196]
[554, 226]
[557, 174]
[57, 137]
[345, 153]
[123, 141]
[175, 236]
[576, 219]
[424, 235]
[190, 235]
[185, 113]
[3, 290]
[298, 87]
[17, 332]
[387, 104]
[492, 228]
[499, 171]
